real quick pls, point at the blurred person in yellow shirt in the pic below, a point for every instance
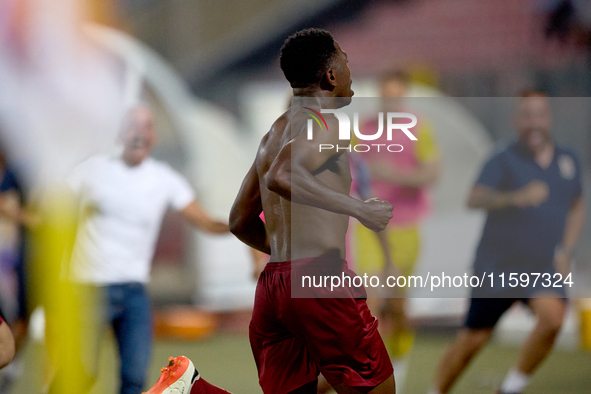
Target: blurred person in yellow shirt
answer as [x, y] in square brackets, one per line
[403, 179]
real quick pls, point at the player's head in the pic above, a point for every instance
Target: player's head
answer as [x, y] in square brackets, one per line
[533, 120]
[394, 83]
[138, 134]
[312, 59]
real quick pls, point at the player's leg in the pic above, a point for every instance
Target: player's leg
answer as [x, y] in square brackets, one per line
[342, 338]
[281, 354]
[404, 246]
[403, 243]
[21, 324]
[457, 357]
[323, 386]
[282, 361]
[369, 259]
[180, 377]
[386, 387]
[181, 374]
[6, 344]
[550, 314]
[395, 313]
[308, 388]
[132, 325]
[400, 338]
[483, 315]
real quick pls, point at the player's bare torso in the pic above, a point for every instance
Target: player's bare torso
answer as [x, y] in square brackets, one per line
[295, 230]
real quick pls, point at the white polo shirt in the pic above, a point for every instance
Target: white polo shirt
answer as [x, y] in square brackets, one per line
[121, 212]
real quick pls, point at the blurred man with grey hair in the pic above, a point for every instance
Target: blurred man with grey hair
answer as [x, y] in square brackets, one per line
[123, 200]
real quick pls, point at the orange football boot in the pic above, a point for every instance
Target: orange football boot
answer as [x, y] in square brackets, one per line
[176, 378]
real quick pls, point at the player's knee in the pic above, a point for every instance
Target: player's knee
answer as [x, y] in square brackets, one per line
[7, 352]
[7, 346]
[476, 339]
[552, 322]
[6, 357]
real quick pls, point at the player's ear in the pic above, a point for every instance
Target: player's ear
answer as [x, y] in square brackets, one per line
[331, 77]
[329, 80]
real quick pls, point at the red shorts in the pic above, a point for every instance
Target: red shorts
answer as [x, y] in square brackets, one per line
[293, 339]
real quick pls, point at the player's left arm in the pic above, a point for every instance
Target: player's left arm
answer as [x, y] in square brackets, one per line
[572, 231]
[199, 218]
[245, 221]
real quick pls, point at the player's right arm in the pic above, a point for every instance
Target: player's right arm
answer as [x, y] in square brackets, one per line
[291, 176]
[245, 221]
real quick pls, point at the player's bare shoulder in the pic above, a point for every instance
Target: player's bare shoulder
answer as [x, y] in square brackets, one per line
[271, 144]
[311, 124]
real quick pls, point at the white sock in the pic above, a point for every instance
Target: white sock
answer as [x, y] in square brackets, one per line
[400, 366]
[515, 382]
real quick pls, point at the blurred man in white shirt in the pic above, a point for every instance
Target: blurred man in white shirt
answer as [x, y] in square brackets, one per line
[123, 201]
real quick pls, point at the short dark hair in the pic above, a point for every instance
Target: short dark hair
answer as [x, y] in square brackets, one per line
[306, 56]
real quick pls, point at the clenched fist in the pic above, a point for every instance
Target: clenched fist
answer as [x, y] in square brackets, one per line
[531, 195]
[375, 214]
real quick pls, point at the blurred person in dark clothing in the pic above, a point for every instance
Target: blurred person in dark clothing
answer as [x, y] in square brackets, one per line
[531, 190]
